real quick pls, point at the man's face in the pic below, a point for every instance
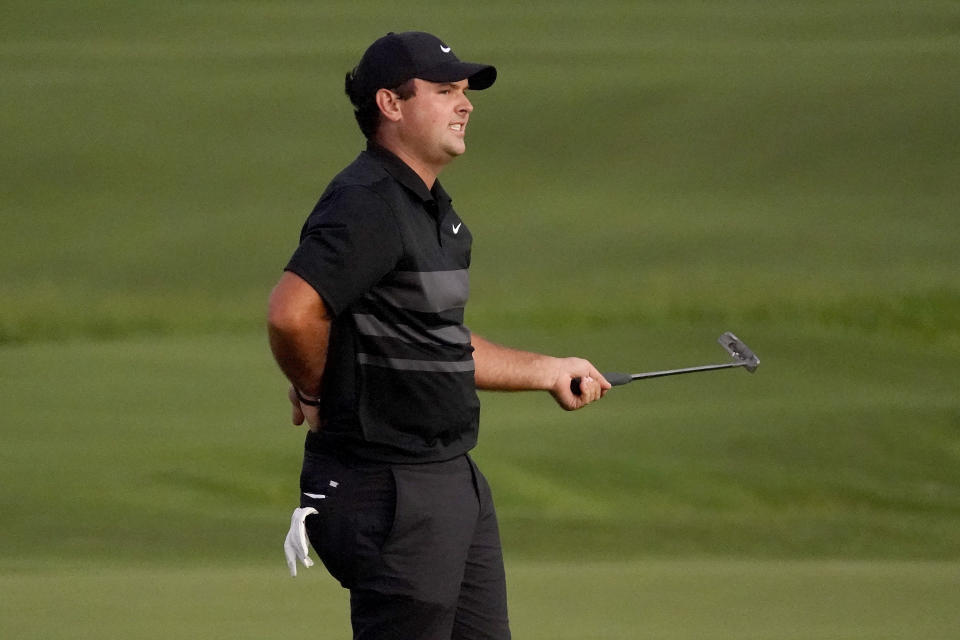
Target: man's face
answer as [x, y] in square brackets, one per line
[435, 121]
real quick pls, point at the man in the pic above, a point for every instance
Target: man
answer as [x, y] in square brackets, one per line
[367, 324]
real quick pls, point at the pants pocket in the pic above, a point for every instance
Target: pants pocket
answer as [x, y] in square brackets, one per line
[356, 507]
[374, 510]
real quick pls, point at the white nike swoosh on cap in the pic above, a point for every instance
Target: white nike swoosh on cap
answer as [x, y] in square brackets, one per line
[444, 49]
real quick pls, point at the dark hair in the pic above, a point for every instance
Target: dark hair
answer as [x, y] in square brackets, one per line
[365, 108]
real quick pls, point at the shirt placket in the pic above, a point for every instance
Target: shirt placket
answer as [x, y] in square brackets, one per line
[433, 208]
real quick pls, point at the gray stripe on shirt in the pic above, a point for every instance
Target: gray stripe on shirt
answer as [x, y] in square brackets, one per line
[425, 291]
[402, 364]
[371, 325]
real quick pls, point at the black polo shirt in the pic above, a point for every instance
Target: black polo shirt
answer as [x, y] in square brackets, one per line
[390, 259]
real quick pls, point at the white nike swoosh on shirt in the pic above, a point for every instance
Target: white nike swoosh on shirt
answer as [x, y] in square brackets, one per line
[456, 228]
[444, 49]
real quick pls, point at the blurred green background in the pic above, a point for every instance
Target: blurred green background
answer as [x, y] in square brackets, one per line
[642, 177]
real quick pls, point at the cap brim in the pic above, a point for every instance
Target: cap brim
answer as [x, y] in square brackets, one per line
[479, 76]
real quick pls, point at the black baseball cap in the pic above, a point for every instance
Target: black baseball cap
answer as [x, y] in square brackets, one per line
[397, 57]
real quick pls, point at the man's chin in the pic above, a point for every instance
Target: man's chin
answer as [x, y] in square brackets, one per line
[457, 150]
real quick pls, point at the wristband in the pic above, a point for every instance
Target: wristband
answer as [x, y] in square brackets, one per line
[306, 401]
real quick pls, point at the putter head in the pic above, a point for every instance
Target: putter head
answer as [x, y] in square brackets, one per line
[739, 351]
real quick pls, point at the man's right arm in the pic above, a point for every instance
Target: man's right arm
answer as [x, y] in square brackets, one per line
[298, 324]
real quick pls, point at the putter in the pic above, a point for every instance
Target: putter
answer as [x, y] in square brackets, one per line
[741, 354]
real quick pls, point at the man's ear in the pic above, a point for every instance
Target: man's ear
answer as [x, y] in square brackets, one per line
[389, 104]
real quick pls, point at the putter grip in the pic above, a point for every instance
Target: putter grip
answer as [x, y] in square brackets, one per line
[616, 379]
[575, 386]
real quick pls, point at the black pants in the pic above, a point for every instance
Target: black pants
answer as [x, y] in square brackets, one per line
[417, 545]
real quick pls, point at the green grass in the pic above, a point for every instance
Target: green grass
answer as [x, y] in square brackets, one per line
[179, 449]
[642, 177]
[802, 156]
[717, 599]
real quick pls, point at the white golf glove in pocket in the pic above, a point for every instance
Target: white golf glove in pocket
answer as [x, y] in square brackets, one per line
[295, 547]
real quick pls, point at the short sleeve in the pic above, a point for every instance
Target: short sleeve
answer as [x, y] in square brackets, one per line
[347, 245]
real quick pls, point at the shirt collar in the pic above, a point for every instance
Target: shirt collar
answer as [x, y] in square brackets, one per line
[406, 176]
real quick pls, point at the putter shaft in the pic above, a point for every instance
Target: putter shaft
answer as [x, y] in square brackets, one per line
[617, 379]
[674, 372]
[743, 357]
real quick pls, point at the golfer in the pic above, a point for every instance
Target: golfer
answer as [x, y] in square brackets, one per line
[367, 324]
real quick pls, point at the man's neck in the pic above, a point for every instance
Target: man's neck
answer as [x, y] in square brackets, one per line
[426, 172]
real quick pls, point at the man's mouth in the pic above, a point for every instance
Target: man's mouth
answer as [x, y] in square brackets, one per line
[457, 126]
